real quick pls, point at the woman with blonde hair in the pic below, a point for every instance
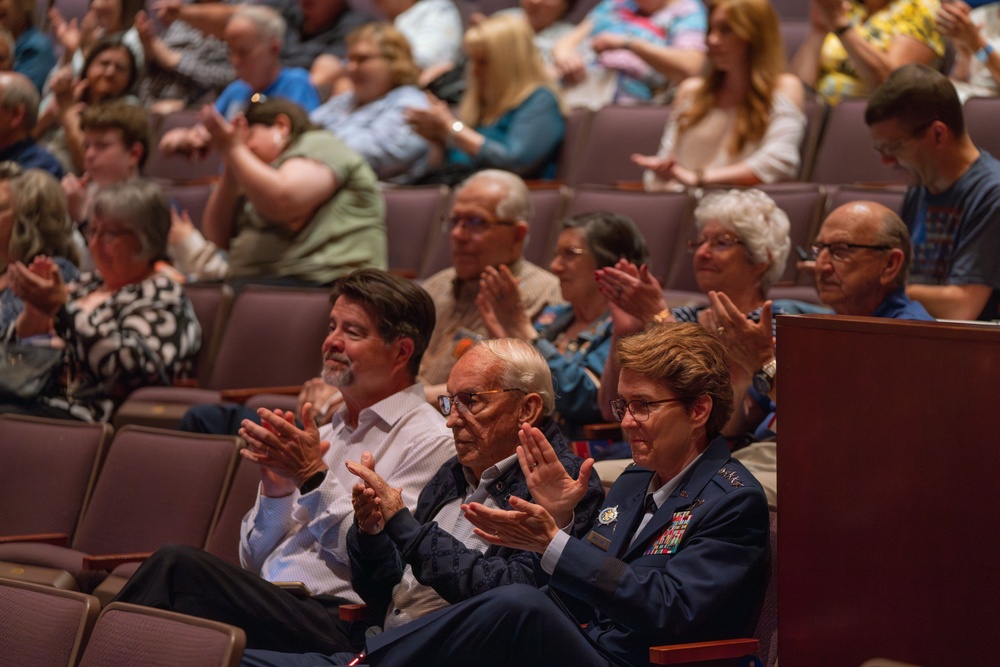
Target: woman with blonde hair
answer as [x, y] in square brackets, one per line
[33, 221]
[742, 122]
[369, 118]
[510, 116]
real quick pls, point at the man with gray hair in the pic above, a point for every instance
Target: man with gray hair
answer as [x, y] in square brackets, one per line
[406, 565]
[862, 255]
[254, 35]
[487, 227]
[18, 115]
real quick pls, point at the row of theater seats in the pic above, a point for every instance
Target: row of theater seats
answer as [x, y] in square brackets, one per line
[836, 148]
[100, 502]
[248, 344]
[50, 627]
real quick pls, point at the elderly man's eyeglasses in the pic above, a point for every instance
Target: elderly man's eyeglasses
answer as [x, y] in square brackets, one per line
[474, 224]
[719, 243]
[638, 408]
[841, 251]
[105, 233]
[467, 400]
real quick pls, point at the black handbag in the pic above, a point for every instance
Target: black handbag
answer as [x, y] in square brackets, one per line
[27, 370]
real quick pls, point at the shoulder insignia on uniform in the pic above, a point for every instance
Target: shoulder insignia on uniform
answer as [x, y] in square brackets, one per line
[732, 476]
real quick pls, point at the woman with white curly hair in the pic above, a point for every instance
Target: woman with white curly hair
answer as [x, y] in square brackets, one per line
[739, 251]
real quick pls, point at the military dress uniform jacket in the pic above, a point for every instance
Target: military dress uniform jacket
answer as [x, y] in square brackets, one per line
[697, 571]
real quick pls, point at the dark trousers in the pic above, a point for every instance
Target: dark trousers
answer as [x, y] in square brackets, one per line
[511, 625]
[218, 419]
[191, 581]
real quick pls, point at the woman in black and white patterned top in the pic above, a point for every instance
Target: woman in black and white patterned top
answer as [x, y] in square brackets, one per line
[123, 326]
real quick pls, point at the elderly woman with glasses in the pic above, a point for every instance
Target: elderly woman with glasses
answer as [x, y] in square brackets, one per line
[123, 326]
[574, 337]
[369, 117]
[740, 250]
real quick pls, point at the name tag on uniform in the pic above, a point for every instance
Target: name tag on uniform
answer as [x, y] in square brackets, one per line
[670, 538]
[599, 540]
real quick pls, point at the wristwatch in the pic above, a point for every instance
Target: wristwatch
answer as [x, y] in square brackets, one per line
[312, 483]
[983, 54]
[763, 380]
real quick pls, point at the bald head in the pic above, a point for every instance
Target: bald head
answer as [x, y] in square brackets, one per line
[19, 102]
[865, 256]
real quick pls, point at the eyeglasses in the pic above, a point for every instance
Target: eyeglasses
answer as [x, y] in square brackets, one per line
[569, 253]
[361, 58]
[473, 224]
[102, 233]
[719, 243]
[890, 150]
[841, 251]
[639, 409]
[466, 400]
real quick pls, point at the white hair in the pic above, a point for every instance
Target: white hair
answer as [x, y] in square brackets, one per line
[268, 22]
[523, 367]
[516, 204]
[757, 220]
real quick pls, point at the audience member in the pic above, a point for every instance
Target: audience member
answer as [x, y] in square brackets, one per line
[369, 118]
[637, 48]
[407, 565]
[689, 564]
[254, 36]
[975, 34]
[488, 225]
[296, 530]
[109, 74]
[123, 326]
[742, 122]
[862, 255]
[19, 106]
[510, 116]
[547, 21]
[575, 337]
[952, 207]
[6, 50]
[116, 140]
[432, 27]
[183, 65]
[740, 252]
[33, 54]
[103, 18]
[33, 222]
[314, 39]
[852, 47]
[294, 204]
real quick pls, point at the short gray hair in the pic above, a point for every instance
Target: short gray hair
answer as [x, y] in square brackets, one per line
[757, 220]
[141, 206]
[523, 367]
[516, 204]
[894, 233]
[19, 91]
[268, 21]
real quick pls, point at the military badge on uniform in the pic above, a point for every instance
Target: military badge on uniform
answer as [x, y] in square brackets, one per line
[732, 476]
[670, 539]
[608, 516]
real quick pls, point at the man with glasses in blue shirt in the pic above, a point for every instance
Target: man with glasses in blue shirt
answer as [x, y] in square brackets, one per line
[862, 255]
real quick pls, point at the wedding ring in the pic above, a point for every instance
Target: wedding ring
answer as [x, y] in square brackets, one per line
[721, 331]
[532, 466]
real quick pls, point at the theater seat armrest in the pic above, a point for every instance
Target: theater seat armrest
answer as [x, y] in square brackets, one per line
[700, 652]
[111, 561]
[353, 612]
[605, 431]
[56, 539]
[241, 395]
[296, 588]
